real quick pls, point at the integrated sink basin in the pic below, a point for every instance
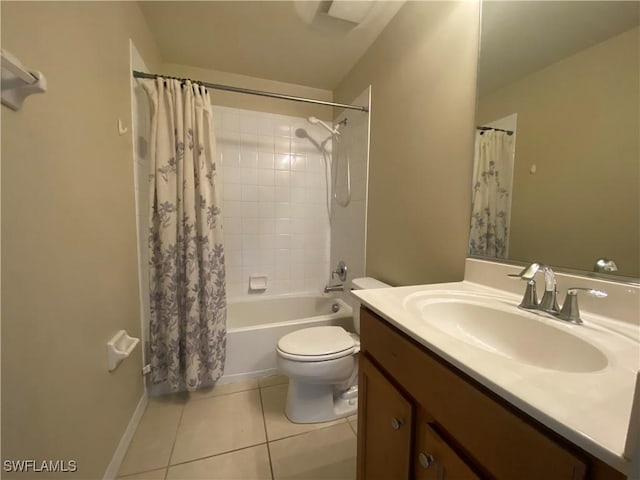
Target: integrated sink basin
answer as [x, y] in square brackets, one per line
[502, 329]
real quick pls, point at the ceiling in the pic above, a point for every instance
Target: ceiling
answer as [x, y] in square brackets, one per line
[288, 41]
[298, 42]
[521, 37]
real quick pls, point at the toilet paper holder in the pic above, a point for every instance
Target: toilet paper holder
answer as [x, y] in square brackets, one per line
[119, 348]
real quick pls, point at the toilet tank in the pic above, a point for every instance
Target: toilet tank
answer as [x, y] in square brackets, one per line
[363, 283]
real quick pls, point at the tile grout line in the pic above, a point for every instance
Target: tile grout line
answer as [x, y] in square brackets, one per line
[266, 435]
[165, 467]
[215, 455]
[209, 397]
[351, 426]
[175, 437]
[338, 422]
[128, 475]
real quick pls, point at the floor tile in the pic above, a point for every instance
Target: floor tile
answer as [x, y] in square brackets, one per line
[219, 424]
[152, 475]
[246, 464]
[151, 445]
[278, 425]
[225, 389]
[353, 422]
[273, 380]
[329, 453]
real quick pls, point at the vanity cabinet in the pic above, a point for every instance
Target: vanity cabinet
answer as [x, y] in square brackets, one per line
[421, 418]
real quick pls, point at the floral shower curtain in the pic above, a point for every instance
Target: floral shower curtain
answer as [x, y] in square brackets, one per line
[187, 331]
[491, 200]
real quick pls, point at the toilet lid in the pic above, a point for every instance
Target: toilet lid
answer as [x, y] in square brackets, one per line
[323, 342]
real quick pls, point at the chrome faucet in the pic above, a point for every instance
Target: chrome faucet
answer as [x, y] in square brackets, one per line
[605, 265]
[549, 303]
[341, 273]
[334, 288]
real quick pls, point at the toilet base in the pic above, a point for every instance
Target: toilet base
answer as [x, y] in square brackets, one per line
[315, 403]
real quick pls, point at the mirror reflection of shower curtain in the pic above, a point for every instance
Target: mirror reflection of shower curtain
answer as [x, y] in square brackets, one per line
[341, 170]
[491, 196]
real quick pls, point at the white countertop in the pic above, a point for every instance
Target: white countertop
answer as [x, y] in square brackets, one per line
[590, 409]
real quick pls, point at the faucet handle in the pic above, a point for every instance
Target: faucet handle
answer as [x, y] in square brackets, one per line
[340, 271]
[528, 273]
[530, 298]
[570, 310]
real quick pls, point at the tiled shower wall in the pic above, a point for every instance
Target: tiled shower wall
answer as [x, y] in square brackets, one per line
[273, 193]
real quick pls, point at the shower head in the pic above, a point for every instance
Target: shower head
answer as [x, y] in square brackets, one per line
[302, 133]
[317, 121]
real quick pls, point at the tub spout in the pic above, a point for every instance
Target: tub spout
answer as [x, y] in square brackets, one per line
[334, 288]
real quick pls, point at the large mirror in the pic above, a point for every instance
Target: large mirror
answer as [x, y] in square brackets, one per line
[557, 157]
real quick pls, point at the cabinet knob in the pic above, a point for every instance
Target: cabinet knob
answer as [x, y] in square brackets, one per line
[426, 460]
[396, 423]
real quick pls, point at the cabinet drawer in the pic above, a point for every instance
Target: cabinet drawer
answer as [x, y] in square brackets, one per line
[489, 433]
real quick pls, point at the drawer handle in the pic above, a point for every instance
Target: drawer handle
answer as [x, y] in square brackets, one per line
[396, 423]
[426, 460]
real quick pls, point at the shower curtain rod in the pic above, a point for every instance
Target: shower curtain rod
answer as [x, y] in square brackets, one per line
[508, 132]
[281, 96]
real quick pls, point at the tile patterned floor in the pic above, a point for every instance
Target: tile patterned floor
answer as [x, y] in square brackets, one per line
[237, 432]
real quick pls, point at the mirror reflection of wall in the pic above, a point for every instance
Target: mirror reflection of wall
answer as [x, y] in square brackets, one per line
[570, 72]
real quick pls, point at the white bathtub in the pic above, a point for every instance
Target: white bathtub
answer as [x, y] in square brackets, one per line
[255, 326]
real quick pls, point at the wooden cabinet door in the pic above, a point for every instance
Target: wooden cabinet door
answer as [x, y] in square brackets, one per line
[434, 459]
[385, 419]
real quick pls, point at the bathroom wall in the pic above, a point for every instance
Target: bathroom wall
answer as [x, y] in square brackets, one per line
[253, 102]
[576, 142]
[422, 71]
[141, 131]
[348, 224]
[68, 226]
[274, 192]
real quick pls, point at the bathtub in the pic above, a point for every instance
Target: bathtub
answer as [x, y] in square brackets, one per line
[254, 327]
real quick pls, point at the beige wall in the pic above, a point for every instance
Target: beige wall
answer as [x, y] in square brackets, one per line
[69, 241]
[422, 70]
[578, 122]
[253, 102]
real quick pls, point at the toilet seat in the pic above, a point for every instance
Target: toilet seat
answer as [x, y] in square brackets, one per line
[317, 344]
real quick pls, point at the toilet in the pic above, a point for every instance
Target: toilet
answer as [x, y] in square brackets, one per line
[322, 366]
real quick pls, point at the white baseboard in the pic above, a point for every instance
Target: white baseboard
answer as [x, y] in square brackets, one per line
[114, 465]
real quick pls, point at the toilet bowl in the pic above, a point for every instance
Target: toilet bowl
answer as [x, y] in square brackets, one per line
[322, 366]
